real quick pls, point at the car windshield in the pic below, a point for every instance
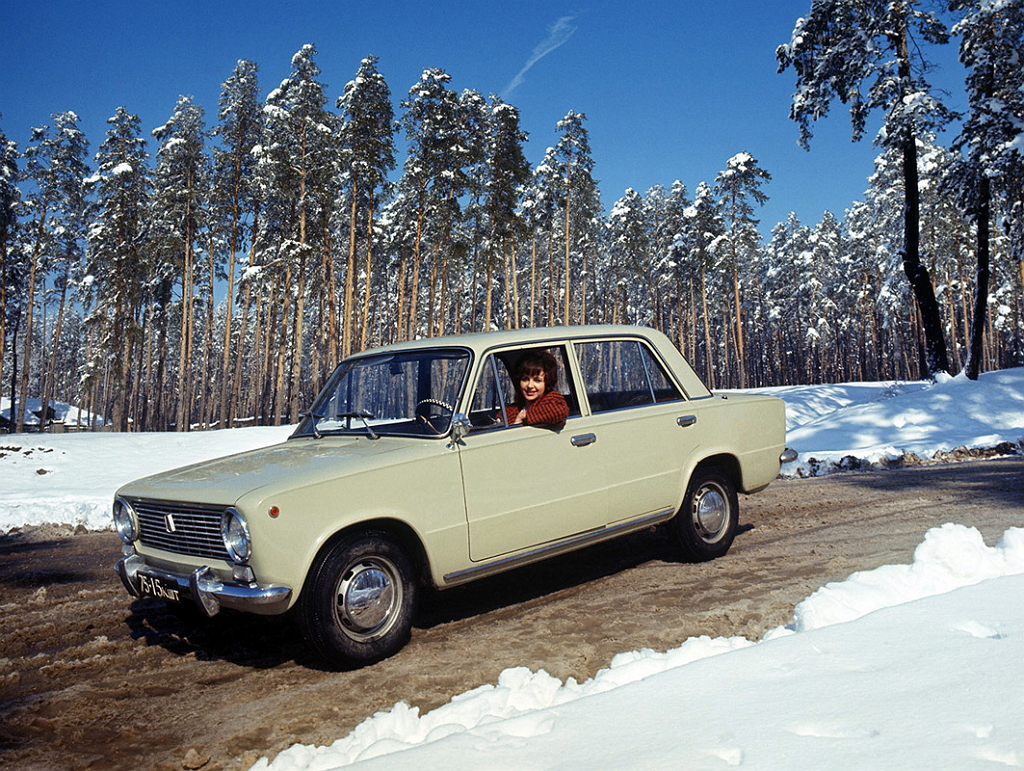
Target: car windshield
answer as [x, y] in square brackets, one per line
[410, 393]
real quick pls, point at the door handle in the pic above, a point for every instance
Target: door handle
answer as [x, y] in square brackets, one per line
[583, 440]
[686, 420]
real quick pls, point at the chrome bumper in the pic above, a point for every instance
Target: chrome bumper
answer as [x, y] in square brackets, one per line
[788, 455]
[204, 588]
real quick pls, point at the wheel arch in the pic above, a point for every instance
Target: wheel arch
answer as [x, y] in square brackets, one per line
[401, 532]
[726, 463]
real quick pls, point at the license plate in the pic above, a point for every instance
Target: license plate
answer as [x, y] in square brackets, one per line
[151, 586]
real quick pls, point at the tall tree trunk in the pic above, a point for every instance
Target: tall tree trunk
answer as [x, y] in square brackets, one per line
[185, 348]
[935, 356]
[206, 371]
[298, 330]
[709, 374]
[976, 346]
[51, 371]
[3, 311]
[568, 293]
[19, 425]
[936, 359]
[350, 271]
[533, 279]
[330, 324]
[236, 379]
[740, 344]
[278, 394]
[363, 329]
[229, 310]
[417, 257]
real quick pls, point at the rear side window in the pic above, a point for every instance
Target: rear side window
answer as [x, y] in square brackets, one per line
[623, 373]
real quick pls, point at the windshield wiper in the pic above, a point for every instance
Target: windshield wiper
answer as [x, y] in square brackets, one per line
[364, 416]
[314, 419]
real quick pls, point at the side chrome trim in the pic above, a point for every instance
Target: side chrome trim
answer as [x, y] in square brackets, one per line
[577, 541]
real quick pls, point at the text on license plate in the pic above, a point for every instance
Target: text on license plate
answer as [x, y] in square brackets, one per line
[159, 588]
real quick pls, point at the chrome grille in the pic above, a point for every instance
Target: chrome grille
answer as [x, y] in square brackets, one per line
[196, 527]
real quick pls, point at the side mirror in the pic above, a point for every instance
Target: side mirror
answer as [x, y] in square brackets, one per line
[460, 427]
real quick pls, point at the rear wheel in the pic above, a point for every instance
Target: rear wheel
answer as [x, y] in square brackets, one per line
[359, 601]
[706, 524]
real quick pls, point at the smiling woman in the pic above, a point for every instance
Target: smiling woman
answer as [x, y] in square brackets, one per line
[537, 402]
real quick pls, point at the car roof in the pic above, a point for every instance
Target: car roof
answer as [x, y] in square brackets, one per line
[481, 341]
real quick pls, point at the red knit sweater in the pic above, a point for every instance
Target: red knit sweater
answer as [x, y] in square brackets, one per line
[549, 410]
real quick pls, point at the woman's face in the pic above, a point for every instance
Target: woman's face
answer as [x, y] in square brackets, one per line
[532, 386]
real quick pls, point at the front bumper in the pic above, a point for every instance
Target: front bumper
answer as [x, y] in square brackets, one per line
[203, 587]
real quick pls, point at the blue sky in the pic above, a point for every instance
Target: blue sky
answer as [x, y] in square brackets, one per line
[671, 89]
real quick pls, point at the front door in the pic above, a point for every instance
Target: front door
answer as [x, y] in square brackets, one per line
[527, 486]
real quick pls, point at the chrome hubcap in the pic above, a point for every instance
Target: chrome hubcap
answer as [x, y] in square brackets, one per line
[710, 513]
[367, 597]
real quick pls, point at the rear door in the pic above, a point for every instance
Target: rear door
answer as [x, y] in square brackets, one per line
[644, 427]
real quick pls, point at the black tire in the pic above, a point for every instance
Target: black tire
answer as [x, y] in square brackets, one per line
[359, 601]
[706, 524]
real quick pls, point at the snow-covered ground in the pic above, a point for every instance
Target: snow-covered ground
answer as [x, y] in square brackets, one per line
[62, 413]
[906, 666]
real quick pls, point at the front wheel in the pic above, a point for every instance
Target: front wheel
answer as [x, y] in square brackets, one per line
[706, 524]
[359, 601]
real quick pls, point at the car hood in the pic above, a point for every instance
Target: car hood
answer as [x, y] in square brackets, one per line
[224, 481]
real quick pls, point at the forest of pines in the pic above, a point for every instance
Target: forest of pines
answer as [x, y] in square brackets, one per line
[215, 274]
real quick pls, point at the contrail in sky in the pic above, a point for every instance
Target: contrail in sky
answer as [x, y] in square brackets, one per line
[559, 32]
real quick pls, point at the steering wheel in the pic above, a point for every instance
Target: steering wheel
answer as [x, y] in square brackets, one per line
[428, 410]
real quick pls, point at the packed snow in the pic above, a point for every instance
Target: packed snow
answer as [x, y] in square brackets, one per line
[851, 684]
[908, 666]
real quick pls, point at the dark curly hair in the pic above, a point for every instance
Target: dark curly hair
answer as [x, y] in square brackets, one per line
[533, 363]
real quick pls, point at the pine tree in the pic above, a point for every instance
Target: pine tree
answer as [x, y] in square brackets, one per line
[118, 260]
[992, 48]
[367, 138]
[507, 171]
[234, 198]
[434, 177]
[10, 198]
[181, 198]
[540, 208]
[819, 289]
[579, 201]
[705, 233]
[780, 274]
[672, 245]
[630, 250]
[834, 50]
[738, 189]
[303, 167]
[55, 218]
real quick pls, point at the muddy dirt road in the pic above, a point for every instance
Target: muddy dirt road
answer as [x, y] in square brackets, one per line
[90, 678]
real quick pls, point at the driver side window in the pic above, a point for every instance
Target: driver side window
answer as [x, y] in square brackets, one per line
[495, 389]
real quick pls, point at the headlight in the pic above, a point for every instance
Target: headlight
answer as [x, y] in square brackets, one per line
[235, 533]
[125, 521]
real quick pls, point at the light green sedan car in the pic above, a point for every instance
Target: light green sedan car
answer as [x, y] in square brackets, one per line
[412, 470]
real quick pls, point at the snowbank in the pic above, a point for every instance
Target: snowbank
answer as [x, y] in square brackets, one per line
[860, 678]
